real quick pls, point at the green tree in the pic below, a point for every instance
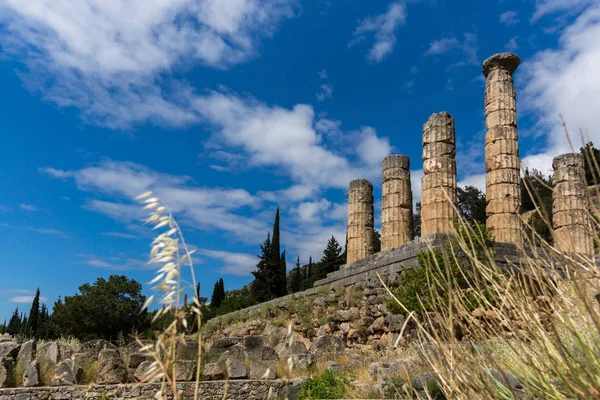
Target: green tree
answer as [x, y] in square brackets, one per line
[31, 329]
[266, 275]
[42, 326]
[103, 309]
[536, 203]
[331, 260]
[283, 276]
[278, 257]
[417, 220]
[472, 204]
[296, 278]
[236, 300]
[376, 242]
[309, 282]
[14, 324]
[4, 327]
[591, 156]
[218, 294]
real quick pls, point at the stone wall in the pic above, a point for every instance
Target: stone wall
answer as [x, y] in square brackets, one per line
[217, 390]
[350, 304]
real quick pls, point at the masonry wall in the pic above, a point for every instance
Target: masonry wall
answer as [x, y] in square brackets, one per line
[208, 390]
[363, 273]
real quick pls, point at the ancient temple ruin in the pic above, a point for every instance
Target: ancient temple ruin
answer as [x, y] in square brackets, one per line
[571, 219]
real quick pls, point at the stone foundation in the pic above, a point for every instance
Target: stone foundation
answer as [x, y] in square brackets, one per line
[213, 390]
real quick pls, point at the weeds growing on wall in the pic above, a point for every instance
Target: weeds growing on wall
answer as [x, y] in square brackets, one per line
[417, 289]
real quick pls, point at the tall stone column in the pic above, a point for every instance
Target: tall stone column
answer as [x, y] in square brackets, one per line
[360, 220]
[396, 204]
[570, 205]
[502, 163]
[439, 179]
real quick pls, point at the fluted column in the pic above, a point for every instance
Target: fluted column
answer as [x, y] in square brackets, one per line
[396, 204]
[502, 163]
[439, 179]
[360, 220]
[570, 205]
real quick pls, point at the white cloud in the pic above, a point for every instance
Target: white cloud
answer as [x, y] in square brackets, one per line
[563, 81]
[548, 7]
[509, 18]
[44, 231]
[474, 180]
[415, 183]
[468, 46]
[239, 264]
[311, 211]
[15, 291]
[512, 45]
[372, 149]
[201, 207]
[326, 92]
[120, 235]
[287, 139]
[384, 28]
[26, 299]
[118, 264]
[27, 207]
[112, 66]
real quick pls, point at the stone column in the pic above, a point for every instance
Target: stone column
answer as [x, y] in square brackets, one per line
[502, 163]
[396, 204]
[360, 220]
[439, 179]
[570, 205]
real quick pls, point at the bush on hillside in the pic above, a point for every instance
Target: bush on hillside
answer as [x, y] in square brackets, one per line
[419, 288]
[326, 385]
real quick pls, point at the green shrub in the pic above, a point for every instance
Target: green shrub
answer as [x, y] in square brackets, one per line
[326, 385]
[417, 289]
[236, 301]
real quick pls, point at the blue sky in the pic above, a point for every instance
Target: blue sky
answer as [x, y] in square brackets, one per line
[228, 109]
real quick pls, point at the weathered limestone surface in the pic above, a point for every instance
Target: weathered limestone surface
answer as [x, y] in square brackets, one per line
[502, 161]
[396, 205]
[570, 205]
[210, 390]
[360, 220]
[439, 179]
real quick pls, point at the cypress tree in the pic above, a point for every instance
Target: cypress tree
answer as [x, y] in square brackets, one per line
[283, 276]
[275, 245]
[42, 328]
[218, 294]
[266, 276]
[309, 274]
[4, 327]
[295, 280]
[32, 323]
[14, 324]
